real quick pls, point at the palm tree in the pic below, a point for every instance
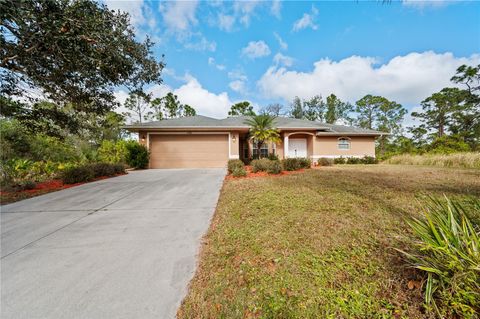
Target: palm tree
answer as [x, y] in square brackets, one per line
[262, 129]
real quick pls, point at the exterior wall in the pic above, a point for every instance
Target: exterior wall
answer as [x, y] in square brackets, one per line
[279, 148]
[234, 145]
[327, 146]
[142, 138]
[317, 146]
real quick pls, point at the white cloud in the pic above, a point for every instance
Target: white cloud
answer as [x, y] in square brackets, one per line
[226, 22]
[239, 81]
[237, 75]
[283, 44]
[421, 4]
[237, 86]
[276, 8]
[280, 59]
[212, 62]
[179, 16]
[307, 21]
[202, 44]
[205, 102]
[256, 49]
[406, 79]
[245, 10]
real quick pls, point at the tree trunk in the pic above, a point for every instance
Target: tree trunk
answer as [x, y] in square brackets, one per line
[259, 146]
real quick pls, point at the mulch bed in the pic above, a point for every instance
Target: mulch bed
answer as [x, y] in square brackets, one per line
[251, 174]
[42, 188]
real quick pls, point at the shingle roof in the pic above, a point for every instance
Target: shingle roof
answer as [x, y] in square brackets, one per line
[285, 123]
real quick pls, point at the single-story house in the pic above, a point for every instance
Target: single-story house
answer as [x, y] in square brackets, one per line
[200, 141]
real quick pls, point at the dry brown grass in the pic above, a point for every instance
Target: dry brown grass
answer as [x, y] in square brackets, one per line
[459, 160]
[317, 244]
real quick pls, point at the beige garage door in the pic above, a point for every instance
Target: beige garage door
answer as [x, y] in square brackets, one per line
[178, 151]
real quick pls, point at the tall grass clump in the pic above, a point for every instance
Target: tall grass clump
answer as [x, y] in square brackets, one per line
[446, 251]
[459, 160]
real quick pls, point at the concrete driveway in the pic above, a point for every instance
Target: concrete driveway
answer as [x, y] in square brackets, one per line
[124, 247]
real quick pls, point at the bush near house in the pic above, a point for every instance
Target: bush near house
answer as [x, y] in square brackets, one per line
[233, 164]
[88, 172]
[260, 165]
[355, 160]
[323, 161]
[293, 164]
[446, 250]
[137, 155]
[113, 152]
[78, 174]
[239, 172]
[369, 160]
[274, 167]
[273, 157]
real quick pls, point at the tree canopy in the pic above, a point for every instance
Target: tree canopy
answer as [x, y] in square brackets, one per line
[169, 107]
[241, 108]
[71, 52]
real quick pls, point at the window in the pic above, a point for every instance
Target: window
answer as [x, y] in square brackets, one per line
[245, 150]
[263, 150]
[343, 143]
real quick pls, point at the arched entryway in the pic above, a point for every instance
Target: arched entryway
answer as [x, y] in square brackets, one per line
[298, 144]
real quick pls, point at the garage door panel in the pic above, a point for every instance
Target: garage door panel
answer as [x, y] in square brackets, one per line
[177, 151]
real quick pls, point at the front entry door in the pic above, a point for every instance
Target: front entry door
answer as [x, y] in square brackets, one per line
[297, 147]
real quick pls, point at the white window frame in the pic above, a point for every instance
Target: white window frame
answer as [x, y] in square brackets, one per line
[340, 144]
[255, 149]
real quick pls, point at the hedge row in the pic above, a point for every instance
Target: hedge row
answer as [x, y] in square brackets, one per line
[88, 172]
[356, 160]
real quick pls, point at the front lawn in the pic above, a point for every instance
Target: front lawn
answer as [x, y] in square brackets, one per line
[317, 244]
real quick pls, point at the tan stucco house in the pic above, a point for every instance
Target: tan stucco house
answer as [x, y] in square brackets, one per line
[200, 141]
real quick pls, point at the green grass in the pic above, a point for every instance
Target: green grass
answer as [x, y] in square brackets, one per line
[317, 244]
[459, 160]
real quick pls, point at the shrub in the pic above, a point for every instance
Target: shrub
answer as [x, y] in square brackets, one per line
[239, 172]
[272, 157]
[111, 152]
[260, 165]
[234, 163]
[369, 160]
[354, 160]
[102, 169]
[77, 174]
[304, 162]
[48, 148]
[28, 185]
[448, 145]
[274, 167]
[119, 168]
[137, 155]
[446, 251]
[323, 161]
[291, 164]
[339, 160]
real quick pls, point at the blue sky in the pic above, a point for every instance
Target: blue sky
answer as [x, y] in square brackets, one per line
[218, 53]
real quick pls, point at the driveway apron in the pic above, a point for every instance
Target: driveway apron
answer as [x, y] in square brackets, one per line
[123, 247]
